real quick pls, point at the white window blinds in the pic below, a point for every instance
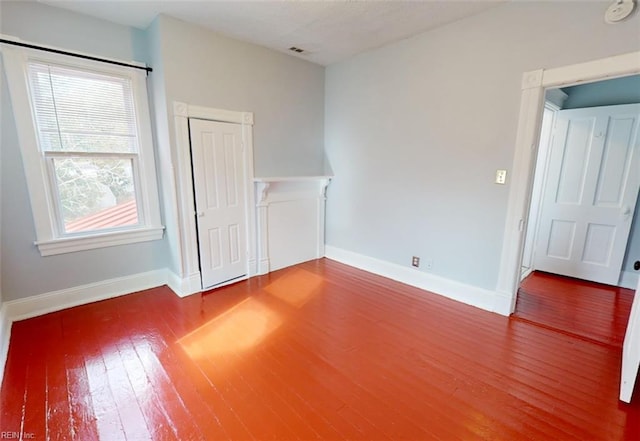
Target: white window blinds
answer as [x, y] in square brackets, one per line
[82, 111]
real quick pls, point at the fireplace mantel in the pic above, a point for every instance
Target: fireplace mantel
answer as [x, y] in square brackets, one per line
[290, 220]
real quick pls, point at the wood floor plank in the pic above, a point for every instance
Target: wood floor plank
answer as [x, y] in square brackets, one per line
[581, 308]
[13, 397]
[322, 351]
[58, 405]
[221, 415]
[35, 422]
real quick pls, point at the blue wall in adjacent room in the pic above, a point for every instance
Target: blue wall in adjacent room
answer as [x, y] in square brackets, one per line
[624, 90]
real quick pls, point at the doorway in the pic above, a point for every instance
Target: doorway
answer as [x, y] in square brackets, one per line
[585, 186]
[534, 84]
[589, 134]
[183, 231]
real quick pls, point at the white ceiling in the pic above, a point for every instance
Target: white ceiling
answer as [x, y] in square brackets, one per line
[328, 31]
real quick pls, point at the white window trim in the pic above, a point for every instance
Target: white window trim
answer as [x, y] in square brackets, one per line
[98, 240]
[48, 241]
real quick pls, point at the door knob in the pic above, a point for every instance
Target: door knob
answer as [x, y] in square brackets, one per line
[626, 212]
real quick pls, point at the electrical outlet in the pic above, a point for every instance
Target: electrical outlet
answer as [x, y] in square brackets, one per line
[415, 261]
[501, 176]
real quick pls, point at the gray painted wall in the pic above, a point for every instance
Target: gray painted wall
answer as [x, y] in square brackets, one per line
[160, 121]
[624, 90]
[416, 130]
[285, 93]
[24, 271]
[192, 65]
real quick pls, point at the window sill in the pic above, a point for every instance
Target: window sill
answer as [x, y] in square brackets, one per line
[101, 240]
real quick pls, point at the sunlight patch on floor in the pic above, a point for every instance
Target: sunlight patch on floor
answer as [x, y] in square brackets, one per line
[296, 287]
[240, 328]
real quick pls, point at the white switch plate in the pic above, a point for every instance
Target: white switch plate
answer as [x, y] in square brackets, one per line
[501, 176]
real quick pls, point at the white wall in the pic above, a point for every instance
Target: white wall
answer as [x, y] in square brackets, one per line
[24, 272]
[416, 130]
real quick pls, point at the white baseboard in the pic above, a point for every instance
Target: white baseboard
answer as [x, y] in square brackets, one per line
[21, 309]
[504, 304]
[629, 279]
[524, 273]
[468, 294]
[66, 298]
[5, 336]
[184, 287]
[264, 266]
[253, 267]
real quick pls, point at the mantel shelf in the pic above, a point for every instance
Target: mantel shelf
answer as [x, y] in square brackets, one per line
[292, 178]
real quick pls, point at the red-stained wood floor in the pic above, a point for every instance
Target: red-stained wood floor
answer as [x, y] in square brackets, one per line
[577, 307]
[316, 351]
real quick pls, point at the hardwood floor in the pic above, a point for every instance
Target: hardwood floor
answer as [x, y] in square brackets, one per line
[316, 351]
[583, 309]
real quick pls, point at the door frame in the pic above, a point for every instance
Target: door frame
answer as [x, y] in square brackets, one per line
[184, 199]
[631, 351]
[539, 179]
[533, 88]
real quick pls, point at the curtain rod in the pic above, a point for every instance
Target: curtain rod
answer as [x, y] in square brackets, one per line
[72, 54]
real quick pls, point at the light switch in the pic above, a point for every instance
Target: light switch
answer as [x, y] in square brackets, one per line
[501, 176]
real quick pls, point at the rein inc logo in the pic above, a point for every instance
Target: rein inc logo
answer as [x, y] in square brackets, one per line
[16, 435]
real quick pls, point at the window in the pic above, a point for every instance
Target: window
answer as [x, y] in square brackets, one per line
[86, 145]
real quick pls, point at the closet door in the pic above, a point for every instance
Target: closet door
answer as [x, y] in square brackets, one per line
[219, 186]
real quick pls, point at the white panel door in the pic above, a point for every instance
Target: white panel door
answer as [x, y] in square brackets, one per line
[219, 186]
[631, 350]
[590, 193]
